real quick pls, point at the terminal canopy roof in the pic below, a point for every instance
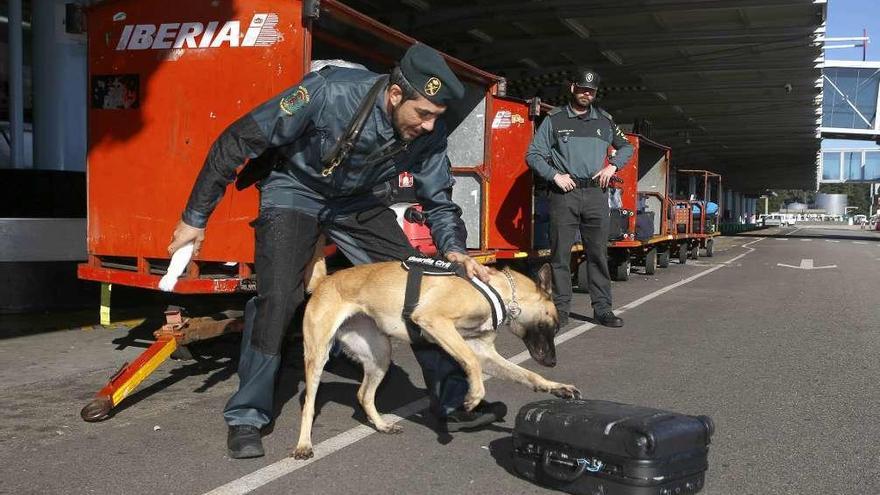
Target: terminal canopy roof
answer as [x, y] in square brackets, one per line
[730, 85]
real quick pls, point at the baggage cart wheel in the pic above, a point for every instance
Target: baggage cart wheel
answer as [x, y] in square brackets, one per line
[710, 248]
[620, 270]
[663, 259]
[682, 253]
[583, 277]
[651, 261]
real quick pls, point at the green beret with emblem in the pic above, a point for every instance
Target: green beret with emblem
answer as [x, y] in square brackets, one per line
[428, 73]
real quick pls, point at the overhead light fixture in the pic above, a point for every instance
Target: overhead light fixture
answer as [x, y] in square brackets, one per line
[481, 35]
[576, 27]
[531, 63]
[613, 57]
[417, 4]
[661, 95]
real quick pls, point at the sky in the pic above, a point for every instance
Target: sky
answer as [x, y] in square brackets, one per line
[848, 18]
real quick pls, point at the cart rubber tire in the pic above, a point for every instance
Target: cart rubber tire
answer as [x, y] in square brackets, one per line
[583, 278]
[663, 259]
[620, 271]
[710, 248]
[682, 254]
[651, 261]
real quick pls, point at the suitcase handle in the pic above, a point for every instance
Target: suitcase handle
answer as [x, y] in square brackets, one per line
[573, 472]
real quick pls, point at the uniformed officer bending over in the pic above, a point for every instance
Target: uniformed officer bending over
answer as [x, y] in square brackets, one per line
[569, 152]
[404, 132]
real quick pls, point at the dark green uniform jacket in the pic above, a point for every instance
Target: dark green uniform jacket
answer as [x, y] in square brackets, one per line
[567, 143]
[300, 126]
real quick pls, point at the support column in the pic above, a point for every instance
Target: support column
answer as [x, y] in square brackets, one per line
[16, 87]
[59, 90]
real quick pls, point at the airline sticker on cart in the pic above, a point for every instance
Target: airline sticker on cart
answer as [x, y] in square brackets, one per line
[505, 118]
[176, 35]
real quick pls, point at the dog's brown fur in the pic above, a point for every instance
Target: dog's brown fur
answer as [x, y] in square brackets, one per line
[361, 307]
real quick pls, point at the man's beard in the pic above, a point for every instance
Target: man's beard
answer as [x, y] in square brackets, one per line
[582, 103]
[395, 122]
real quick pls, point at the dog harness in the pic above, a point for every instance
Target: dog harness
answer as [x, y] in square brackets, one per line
[417, 267]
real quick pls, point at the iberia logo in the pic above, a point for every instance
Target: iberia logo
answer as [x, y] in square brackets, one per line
[175, 35]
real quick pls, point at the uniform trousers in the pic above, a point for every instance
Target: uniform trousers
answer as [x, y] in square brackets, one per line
[584, 210]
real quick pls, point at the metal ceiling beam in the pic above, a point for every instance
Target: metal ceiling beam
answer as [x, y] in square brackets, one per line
[549, 9]
[622, 38]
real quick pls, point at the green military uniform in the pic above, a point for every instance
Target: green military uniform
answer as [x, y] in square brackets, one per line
[577, 145]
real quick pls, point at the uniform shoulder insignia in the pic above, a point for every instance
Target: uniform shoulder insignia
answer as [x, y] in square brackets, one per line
[554, 111]
[294, 101]
[605, 114]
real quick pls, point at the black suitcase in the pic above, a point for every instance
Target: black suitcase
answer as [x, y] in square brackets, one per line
[644, 225]
[594, 447]
[618, 223]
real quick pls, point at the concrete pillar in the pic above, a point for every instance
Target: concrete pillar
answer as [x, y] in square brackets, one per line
[16, 86]
[60, 88]
[692, 186]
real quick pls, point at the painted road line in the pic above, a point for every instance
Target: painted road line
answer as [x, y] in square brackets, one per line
[267, 474]
[807, 264]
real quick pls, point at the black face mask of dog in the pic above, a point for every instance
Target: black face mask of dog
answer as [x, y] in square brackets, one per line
[538, 321]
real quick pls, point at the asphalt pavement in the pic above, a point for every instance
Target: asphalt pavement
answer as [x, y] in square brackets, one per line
[776, 338]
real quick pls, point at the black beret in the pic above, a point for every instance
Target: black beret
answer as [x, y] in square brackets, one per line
[428, 73]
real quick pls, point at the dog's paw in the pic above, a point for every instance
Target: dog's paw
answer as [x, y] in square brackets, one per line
[303, 452]
[564, 391]
[390, 429]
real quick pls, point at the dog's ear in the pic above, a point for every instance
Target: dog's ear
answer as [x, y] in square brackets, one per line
[545, 278]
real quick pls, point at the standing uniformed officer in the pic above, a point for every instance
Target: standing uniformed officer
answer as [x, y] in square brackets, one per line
[301, 198]
[569, 152]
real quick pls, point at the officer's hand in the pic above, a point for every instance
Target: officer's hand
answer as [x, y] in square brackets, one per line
[564, 182]
[472, 266]
[184, 234]
[604, 176]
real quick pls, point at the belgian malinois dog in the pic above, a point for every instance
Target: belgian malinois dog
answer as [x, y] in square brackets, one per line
[362, 308]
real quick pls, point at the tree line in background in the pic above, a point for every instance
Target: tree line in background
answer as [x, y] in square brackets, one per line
[858, 194]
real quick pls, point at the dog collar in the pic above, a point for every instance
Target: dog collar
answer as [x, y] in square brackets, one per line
[513, 308]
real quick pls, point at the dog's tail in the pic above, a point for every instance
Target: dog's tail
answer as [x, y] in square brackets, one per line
[316, 270]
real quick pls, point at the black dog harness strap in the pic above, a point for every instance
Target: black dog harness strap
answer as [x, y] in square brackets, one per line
[417, 267]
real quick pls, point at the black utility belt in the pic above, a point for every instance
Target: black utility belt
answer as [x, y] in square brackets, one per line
[585, 183]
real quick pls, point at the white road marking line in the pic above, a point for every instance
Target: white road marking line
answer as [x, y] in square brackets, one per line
[806, 240]
[807, 264]
[782, 238]
[267, 474]
[831, 240]
[859, 242]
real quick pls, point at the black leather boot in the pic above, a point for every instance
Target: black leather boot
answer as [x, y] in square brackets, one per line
[244, 442]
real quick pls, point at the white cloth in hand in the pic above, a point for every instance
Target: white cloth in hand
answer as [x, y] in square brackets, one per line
[178, 264]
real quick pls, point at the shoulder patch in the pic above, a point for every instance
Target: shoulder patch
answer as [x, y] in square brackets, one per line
[294, 101]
